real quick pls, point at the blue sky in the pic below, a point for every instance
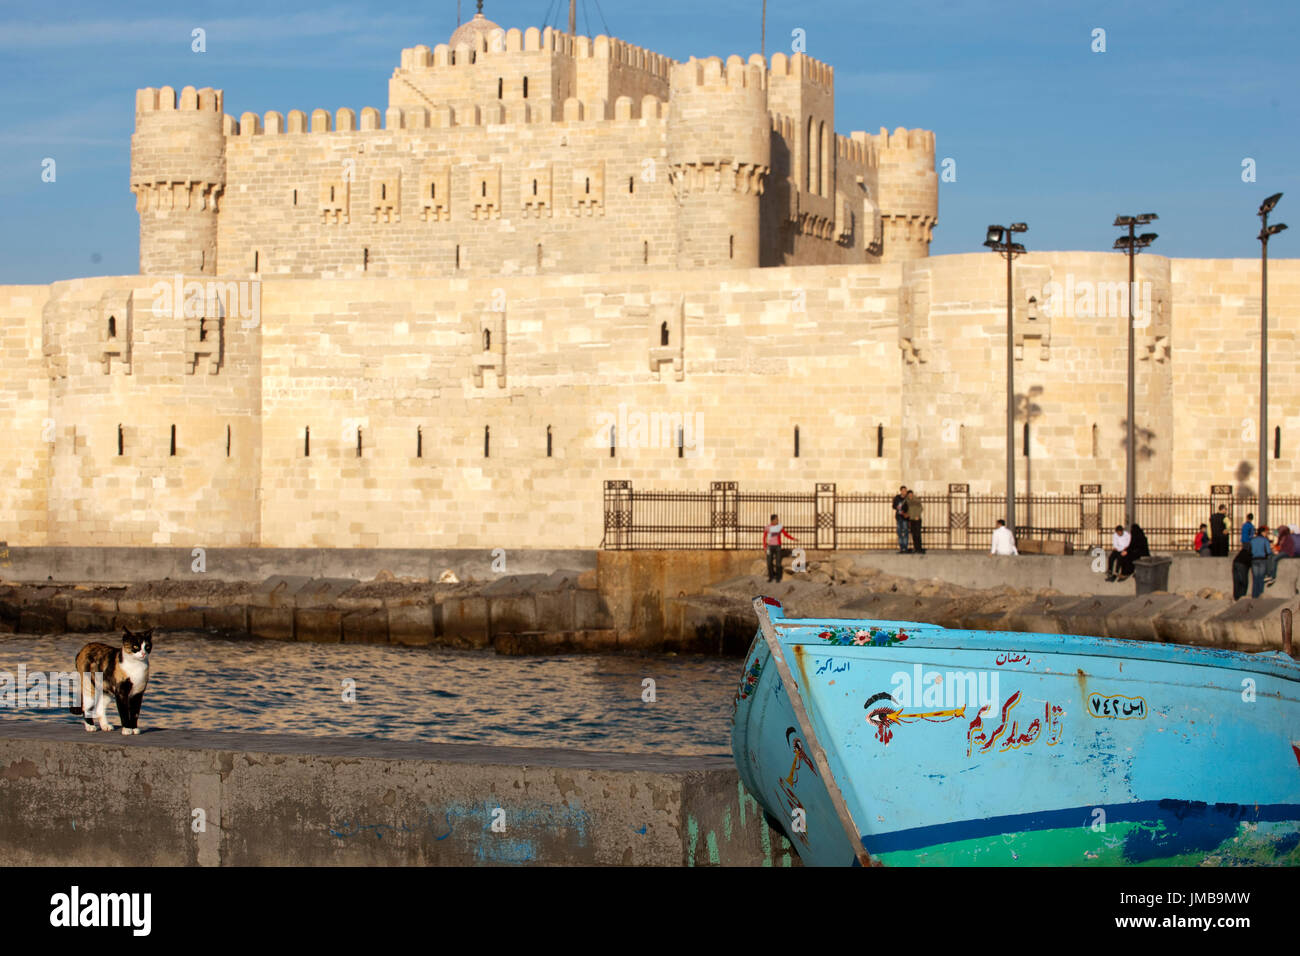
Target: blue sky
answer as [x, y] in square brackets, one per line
[1042, 128]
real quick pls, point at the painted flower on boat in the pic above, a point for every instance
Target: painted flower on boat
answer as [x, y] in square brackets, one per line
[875, 636]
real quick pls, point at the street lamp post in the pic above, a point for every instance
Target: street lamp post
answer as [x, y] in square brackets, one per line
[1265, 231]
[999, 239]
[1132, 244]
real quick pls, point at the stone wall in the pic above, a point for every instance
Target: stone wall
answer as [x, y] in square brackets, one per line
[480, 412]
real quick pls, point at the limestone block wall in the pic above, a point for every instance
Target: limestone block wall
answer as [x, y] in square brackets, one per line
[470, 195]
[403, 360]
[1070, 372]
[24, 397]
[123, 362]
[1216, 313]
[480, 412]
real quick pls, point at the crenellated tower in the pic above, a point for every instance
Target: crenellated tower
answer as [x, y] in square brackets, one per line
[909, 191]
[719, 155]
[178, 173]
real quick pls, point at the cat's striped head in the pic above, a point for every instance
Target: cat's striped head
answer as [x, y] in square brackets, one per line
[137, 644]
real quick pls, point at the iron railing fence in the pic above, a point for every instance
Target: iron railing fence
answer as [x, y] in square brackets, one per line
[724, 517]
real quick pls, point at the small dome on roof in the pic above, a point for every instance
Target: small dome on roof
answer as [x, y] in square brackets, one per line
[474, 33]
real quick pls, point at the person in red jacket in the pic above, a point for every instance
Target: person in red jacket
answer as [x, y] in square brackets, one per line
[772, 536]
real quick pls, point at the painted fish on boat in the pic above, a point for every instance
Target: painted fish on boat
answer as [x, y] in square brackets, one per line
[907, 744]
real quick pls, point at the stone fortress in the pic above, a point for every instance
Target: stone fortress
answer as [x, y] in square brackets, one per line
[556, 260]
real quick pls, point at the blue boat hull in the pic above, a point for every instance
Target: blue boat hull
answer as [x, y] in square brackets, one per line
[926, 746]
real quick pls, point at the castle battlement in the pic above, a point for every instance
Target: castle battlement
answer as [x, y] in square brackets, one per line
[164, 98]
[500, 43]
[346, 120]
[711, 73]
[804, 67]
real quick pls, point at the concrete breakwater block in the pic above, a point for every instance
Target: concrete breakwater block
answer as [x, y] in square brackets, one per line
[1188, 623]
[1042, 615]
[1087, 616]
[1136, 619]
[1249, 624]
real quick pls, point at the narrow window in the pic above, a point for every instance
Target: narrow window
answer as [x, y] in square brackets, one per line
[119, 439]
[203, 258]
[227, 441]
[1095, 443]
[306, 442]
[112, 326]
[487, 441]
[500, 87]
[1277, 442]
[331, 194]
[525, 87]
[534, 187]
[173, 445]
[203, 330]
[358, 441]
[880, 441]
[483, 187]
[629, 184]
[796, 441]
[295, 197]
[487, 340]
[613, 439]
[539, 255]
[663, 333]
[548, 433]
[681, 440]
[458, 257]
[588, 185]
[383, 190]
[645, 253]
[433, 190]
[731, 247]
[365, 258]
[419, 442]
[256, 260]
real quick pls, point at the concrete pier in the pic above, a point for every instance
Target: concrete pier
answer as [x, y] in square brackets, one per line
[173, 798]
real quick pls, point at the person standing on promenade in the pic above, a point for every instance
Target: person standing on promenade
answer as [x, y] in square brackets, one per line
[1219, 532]
[1248, 530]
[900, 518]
[1241, 573]
[1261, 554]
[913, 506]
[1201, 543]
[1119, 543]
[772, 536]
[1004, 542]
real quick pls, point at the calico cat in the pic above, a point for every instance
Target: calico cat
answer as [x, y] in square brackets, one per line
[125, 672]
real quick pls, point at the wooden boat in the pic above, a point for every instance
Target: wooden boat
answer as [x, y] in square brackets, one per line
[897, 743]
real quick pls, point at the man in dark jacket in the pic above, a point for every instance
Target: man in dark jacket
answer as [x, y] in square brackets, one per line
[1219, 532]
